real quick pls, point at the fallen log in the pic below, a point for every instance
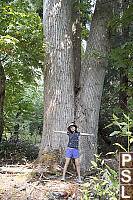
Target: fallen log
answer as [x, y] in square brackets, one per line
[21, 170]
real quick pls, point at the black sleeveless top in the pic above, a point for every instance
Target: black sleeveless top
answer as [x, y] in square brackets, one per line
[73, 139]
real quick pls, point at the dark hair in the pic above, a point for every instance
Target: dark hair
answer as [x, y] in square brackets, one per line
[72, 124]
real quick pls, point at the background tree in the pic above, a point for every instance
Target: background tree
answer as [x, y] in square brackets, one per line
[117, 82]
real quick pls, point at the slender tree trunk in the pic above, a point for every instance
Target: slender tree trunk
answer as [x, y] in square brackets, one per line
[123, 97]
[2, 95]
[15, 135]
[76, 36]
[91, 81]
[58, 74]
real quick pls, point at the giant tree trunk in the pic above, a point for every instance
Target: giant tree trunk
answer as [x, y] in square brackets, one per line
[2, 95]
[61, 106]
[58, 74]
[91, 81]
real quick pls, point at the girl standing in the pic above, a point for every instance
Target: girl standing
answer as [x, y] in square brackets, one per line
[72, 148]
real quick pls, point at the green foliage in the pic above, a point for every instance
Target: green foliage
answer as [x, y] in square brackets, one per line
[22, 50]
[22, 35]
[124, 20]
[38, 4]
[7, 43]
[104, 185]
[18, 152]
[121, 57]
[120, 60]
[27, 110]
[124, 129]
[21, 42]
[85, 9]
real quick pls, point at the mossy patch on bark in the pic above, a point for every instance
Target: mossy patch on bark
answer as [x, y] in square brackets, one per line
[51, 160]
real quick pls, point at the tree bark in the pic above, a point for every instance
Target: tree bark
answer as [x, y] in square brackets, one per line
[123, 97]
[58, 74]
[76, 39]
[62, 72]
[15, 135]
[91, 81]
[2, 95]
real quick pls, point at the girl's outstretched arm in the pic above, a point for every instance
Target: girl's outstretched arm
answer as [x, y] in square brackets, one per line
[86, 134]
[60, 132]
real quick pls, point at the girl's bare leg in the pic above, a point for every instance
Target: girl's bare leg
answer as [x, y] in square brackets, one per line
[65, 167]
[77, 162]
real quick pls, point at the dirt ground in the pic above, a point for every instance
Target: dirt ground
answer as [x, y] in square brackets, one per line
[21, 180]
[42, 186]
[18, 181]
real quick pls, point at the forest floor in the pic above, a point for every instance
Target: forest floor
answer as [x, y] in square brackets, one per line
[21, 180]
[15, 185]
